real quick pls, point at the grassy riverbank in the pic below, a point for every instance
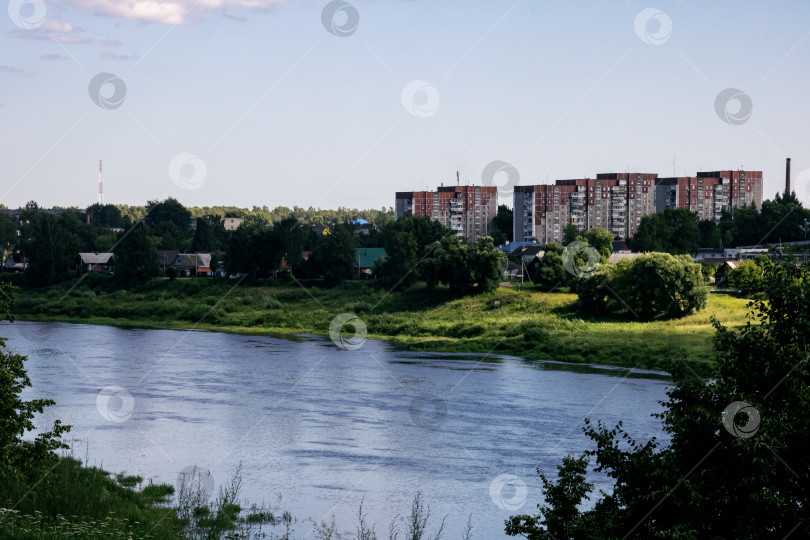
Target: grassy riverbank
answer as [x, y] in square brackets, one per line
[69, 500]
[525, 323]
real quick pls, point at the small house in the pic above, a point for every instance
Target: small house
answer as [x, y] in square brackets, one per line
[166, 258]
[232, 223]
[364, 259]
[721, 275]
[95, 262]
[193, 264]
[13, 264]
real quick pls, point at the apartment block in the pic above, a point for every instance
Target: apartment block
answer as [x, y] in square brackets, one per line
[612, 201]
[468, 210]
[710, 193]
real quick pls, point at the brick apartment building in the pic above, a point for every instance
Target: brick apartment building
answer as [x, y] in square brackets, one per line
[468, 210]
[617, 201]
[613, 201]
[709, 193]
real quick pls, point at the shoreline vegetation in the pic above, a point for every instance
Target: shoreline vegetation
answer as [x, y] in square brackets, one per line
[526, 322]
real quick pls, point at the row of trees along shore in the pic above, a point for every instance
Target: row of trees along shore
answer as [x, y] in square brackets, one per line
[417, 248]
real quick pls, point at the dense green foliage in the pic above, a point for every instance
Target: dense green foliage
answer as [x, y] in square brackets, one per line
[135, 255]
[649, 286]
[749, 276]
[106, 216]
[21, 460]
[503, 230]
[550, 271]
[737, 464]
[679, 231]
[464, 266]
[408, 241]
[673, 231]
[335, 254]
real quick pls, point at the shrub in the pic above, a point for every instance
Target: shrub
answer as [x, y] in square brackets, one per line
[749, 277]
[654, 285]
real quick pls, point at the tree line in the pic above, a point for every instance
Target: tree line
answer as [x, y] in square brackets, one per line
[680, 231]
[417, 247]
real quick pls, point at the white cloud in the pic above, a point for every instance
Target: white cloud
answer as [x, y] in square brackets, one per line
[69, 38]
[167, 11]
[57, 26]
[63, 32]
[108, 55]
[53, 56]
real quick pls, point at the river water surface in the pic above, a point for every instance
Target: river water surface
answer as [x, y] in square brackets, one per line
[324, 427]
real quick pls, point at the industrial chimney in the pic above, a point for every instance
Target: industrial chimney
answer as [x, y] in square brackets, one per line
[787, 177]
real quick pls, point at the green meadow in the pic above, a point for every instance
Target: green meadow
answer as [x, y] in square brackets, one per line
[527, 323]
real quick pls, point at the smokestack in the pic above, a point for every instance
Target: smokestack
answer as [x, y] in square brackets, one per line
[787, 177]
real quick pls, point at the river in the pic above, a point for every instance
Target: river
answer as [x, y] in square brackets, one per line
[325, 427]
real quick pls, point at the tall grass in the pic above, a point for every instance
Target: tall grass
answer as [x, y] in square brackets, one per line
[526, 323]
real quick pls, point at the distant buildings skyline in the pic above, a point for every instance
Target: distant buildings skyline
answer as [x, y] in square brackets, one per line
[613, 201]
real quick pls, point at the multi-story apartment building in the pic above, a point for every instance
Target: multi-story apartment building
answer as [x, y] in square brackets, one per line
[613, 201]
[468, 210]
[710, 193]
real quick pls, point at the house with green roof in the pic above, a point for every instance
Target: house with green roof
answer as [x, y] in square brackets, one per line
[364, 259]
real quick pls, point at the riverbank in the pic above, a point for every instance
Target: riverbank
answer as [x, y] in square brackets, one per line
[525, 323]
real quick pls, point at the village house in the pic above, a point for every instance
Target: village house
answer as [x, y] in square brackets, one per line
[95, 262]
[364, 259]
[13, 264]
[192, 264]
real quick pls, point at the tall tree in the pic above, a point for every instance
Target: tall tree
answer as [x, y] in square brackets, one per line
[570, 233]
[601, 240]
[407, 242]
[49, 249]
[335, 255]
[136, 258]
[169, 210]
[8, 235]
[289, 236]
[503, 225]
[107, 216]
[205, 238]
[674, 231]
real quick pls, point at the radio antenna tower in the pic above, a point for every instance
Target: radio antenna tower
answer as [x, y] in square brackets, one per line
[100, 186]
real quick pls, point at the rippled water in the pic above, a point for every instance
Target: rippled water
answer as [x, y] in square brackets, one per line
[326, 427]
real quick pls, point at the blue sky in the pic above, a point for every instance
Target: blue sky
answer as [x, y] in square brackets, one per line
[255, 102]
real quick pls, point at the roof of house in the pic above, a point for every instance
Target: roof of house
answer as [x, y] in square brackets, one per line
[95, 258]
[366, 257]
[168, 256]
[620, 245]
[531, 250]
[616, 257]
[360, 221]
[193, 260]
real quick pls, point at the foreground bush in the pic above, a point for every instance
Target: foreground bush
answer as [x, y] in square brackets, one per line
[737, 465]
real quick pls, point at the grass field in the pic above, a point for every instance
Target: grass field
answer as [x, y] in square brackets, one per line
[526, 323]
